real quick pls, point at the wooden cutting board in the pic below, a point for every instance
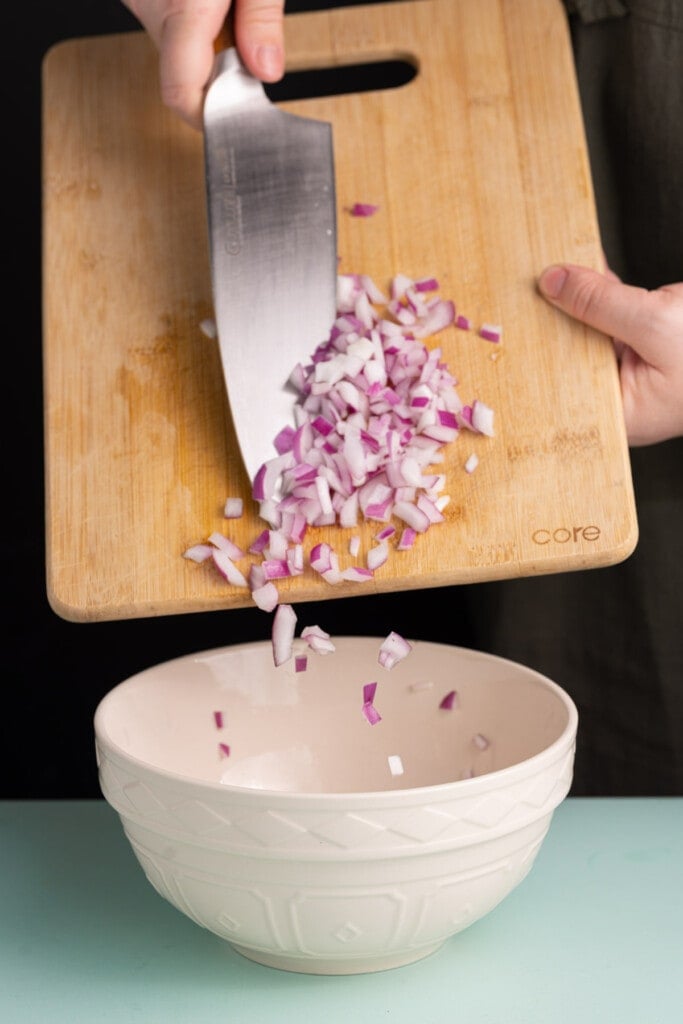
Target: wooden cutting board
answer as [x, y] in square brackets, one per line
[480, 172]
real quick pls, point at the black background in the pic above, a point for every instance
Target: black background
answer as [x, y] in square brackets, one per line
[56, 671]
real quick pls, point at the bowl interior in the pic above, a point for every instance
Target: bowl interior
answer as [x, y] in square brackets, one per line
[229, 717]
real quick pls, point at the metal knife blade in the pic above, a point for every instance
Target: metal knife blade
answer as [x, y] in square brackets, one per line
[273, 243]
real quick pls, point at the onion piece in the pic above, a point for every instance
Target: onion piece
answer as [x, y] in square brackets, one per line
[481, 742]
[482, 418]
[317, 639]
[300, 663]
[450, 701]
[228, 569]
[266, 597]
[377, 556]
[371, 713]
[363, 209]
[471, 463]
[223, 750]
[395, 764]
[224, 543]
[234, 508]
[198, 552]
[407, 539]
[218, 719]
[394, 648]
[491, 332]
[282, 636]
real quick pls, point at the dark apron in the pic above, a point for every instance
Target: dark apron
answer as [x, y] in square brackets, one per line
[614, 637]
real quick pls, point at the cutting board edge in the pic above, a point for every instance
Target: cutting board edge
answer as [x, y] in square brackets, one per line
[313, 591]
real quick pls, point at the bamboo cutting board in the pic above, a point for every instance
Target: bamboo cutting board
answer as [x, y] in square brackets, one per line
[479, 169]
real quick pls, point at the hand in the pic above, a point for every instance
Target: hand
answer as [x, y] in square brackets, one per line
[184, 32]
[647, 329]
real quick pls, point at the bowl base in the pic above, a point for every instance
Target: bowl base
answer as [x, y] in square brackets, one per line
[323, 965]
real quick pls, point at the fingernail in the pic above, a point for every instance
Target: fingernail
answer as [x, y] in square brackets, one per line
[269, 60]
[551, 282]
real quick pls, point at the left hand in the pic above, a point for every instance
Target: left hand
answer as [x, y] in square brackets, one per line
[647, 329]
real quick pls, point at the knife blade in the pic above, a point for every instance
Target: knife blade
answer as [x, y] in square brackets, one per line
[271, 207]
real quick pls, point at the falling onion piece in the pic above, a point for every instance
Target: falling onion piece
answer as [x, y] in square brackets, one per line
[223, 750]
[284, 624]
[395, 764]
[450, 701]
[481, 742]
[318, 640]
[393, 649]
[300, 663]
[218, 719]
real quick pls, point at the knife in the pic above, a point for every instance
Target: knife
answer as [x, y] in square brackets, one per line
[271, 207]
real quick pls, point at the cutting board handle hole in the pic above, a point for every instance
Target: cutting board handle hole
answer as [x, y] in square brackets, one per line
[314, 83]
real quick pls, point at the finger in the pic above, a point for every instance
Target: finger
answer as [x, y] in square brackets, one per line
[259, 37]
[186, 55]
[599, 300]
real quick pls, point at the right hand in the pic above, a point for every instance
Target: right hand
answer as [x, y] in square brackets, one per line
[184, 32]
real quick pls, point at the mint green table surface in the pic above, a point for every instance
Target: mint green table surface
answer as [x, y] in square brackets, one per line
[593, 934]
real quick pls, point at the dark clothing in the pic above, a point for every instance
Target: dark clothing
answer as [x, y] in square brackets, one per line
[614, 637]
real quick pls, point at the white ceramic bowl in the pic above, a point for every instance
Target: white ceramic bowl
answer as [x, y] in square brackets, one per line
[300, 847]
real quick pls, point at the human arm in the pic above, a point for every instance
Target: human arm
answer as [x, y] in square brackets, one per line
[647, 328]
[184, 32]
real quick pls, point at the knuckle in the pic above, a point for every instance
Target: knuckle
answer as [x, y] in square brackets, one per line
[585, 297]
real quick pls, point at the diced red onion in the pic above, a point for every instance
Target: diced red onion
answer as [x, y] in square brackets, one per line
[394, 648]
[463, 322]
[225, 544]
[407, 539]
[482, 418]
[471, 463]
[318, 640]
[282, 636]
[234, 508]
[266, 596]
[369, 691]
[374, 408]
[228, 569]
[198, 552]
[377, 556]
[223, 750]
[363, 209]
[372, 714]
[450, 701]
[300, 663]
[395, 764]
[369, 710]
[357, 574]
[218, 719]
[275, 568]
[490, 332]
[481, 742]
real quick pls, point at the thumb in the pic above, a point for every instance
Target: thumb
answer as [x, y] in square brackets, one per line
[598, 300]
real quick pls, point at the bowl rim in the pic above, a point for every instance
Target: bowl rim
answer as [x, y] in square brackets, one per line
[513, 772]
